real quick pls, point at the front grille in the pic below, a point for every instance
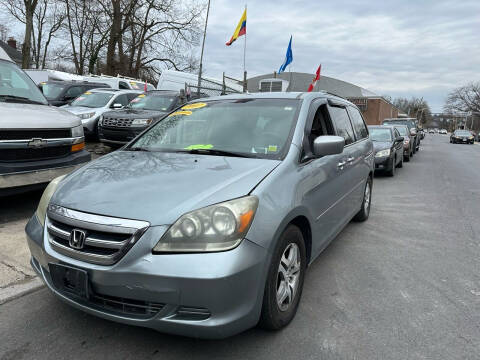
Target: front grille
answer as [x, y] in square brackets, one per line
[106, 239]
[126, 306]
[31, 134]
[28, 154]
[116, 122]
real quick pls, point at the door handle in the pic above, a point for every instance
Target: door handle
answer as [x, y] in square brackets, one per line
[350, 160]
[341, 164]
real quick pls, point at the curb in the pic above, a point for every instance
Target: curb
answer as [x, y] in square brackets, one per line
[20, 289]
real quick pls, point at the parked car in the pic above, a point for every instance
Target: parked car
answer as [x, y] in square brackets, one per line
[443, 132]
[194, 233]
[431, 131]
[37, 142]
[94, 103]
[120, 127]
[120, 82]
[388, 148]
[411, 123]
[462, 137]
[59, 93]
[408, 141]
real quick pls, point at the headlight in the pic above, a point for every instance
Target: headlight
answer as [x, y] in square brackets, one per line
[383, 153]
[45, 199]
[77, 131]
[217, 227]
[471, 137]
[87, 115]
[406, 141]
[141, 122]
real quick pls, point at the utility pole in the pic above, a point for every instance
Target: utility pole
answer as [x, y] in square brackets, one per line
[199, 83]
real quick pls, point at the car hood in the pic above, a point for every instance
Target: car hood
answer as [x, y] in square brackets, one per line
[135, 114]
[80, 109]
[381, 145]
[32, 116]
[158, 187]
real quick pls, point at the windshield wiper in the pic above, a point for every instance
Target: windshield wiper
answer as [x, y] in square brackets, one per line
[218, 152]
[138, 149]
[20, 99]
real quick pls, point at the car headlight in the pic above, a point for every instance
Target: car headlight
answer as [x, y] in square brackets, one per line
[383, 153]
[406, 141]
[77, 131]
[141, 122]
[470, 138]
[86, 115]
[217, 227]
[45, 199]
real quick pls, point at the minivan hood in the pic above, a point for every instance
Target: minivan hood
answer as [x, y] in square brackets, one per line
[381, 145]
[32, 116]
[158, 187]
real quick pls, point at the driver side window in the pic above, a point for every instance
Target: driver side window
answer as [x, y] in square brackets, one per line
[321, 125]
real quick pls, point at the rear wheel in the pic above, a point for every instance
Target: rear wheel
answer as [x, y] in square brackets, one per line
[284, 285]
[400, 164]
[407, 157]
[364, 212]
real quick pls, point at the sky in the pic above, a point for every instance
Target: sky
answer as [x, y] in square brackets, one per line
[403, 48]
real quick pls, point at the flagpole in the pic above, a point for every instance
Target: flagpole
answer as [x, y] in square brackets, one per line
[201, 56]
[244, 56]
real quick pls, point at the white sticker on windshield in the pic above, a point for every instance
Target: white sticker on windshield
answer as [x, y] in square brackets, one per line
[288, 108]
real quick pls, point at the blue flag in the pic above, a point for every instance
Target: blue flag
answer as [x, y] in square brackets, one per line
[288, 57]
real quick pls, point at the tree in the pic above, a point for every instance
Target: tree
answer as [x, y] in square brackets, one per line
[415, 107]
[23, 10]
[464, 99]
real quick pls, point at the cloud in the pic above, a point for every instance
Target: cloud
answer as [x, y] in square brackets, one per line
[422, 48]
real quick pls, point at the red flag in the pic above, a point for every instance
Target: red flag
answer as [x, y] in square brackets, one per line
[315, 79]
[145, 86]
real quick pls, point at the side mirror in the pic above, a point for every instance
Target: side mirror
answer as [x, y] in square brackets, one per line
[399, 139]
[117, 106]
[328, 145]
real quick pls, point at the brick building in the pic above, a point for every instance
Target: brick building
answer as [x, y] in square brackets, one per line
[374, 107]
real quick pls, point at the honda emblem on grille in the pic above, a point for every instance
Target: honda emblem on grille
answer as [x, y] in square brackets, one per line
[37, 143]
[77, 239]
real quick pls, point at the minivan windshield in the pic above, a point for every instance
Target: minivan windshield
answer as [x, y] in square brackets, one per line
[153, 102]
[16, 86]
[378, 134]
[52, 90]
[245, 127]
[92, 99]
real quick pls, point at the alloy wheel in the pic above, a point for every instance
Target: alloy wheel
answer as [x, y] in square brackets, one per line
[366, 200]
[288, 276]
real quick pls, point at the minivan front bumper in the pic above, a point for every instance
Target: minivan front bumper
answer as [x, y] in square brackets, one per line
[205, 295]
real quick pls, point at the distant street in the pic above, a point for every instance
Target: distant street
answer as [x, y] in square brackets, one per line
[403, 285]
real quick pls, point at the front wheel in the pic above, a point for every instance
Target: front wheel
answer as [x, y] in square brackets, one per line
[284, 285]
[364, 212]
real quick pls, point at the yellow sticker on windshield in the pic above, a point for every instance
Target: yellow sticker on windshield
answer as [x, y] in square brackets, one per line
[194, 106]
[272, 148]
[199, 146]
[141, 95]
[181, 113]
[87, 93]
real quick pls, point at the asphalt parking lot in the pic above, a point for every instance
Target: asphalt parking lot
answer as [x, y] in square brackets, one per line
[404, 285]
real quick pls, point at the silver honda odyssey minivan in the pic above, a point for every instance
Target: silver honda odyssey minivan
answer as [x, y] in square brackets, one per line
[205, 224]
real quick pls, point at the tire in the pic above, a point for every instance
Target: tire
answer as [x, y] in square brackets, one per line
[275, 314]
[407, 157]
[391, 172]
[364, 212]
[400, 165]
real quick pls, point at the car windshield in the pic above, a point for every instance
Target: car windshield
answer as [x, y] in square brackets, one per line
[378, 134]
[17, 86]
[92, 99]
[402, 130]
[463, 133]
[245, 127]
[153, 102]
[52, 90]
